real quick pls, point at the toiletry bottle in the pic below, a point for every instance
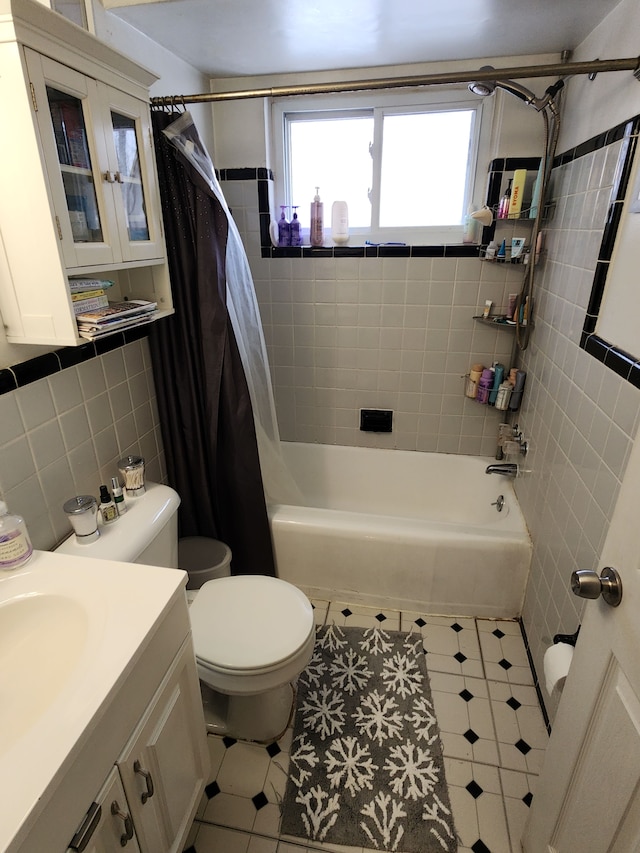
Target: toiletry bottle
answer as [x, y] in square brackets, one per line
[296, 235]
[339, 222]
[108, 509]
[15, 545]
[518, 388]
[505, 201]
[475, 373]
[502, 251]
[484, 385]
[470, 227]
[284, 229]
[317, 226]
[498, 376]
[118, 496]
[503, 396]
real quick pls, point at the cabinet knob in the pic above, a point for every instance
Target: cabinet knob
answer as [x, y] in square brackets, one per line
[137, 768]
[127, 835]
[109, 177]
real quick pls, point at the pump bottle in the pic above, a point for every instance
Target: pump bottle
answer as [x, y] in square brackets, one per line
[296, 236]
[317, 225]
[15, 545]
[284, 229]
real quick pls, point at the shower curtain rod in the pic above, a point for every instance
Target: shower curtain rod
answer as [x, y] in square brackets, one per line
[562, 69]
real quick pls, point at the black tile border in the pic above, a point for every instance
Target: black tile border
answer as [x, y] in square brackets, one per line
[41, 366]
[536, 682]
[621, 362]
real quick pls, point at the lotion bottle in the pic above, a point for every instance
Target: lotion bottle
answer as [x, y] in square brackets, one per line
[317, 226]
[284, 229]
[296, 236]
[15, 545]
[340, 222]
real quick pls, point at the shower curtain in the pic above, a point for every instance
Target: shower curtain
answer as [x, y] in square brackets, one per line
[205, 406]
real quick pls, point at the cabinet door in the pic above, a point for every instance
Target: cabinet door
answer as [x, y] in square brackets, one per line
[108, 826]
[130, 152]
[73, 145]
[165, 765]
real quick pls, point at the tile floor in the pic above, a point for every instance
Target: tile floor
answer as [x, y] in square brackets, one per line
[492, 731]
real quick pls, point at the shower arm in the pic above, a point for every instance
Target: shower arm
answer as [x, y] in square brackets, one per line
[562, 69]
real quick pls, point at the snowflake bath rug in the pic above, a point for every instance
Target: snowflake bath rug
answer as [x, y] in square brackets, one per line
[366, 760]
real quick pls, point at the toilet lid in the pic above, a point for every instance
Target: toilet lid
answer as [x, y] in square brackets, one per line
[249, 622]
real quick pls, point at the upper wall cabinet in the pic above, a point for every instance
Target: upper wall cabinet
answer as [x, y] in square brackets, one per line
[77, 169]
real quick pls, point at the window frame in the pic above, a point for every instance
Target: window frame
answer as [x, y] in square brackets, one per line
[431, 99]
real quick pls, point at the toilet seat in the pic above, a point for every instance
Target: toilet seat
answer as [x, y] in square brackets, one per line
[248, 626]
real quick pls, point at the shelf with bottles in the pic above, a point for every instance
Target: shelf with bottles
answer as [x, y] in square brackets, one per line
[495, 386]
[503, 189]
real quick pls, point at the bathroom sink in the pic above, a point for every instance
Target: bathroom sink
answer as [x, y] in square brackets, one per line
[72, 632]
[42, 640]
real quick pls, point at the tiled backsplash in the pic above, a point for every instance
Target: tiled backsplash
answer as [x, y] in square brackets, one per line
[62, 435]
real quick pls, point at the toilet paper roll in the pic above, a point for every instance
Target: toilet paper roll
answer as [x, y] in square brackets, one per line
[557, 660]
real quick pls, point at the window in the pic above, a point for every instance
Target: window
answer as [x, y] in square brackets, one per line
[406, 167]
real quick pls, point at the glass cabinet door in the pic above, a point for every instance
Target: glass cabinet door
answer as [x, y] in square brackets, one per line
[75, 165]
[129, 176]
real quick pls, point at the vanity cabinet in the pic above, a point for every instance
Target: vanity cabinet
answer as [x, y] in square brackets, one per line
[80, 195]
[150, 797]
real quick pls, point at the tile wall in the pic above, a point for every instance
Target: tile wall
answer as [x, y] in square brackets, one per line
[580, 416]
[345, 333]
[61, 435]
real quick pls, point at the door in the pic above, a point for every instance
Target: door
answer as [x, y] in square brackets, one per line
[588, 794]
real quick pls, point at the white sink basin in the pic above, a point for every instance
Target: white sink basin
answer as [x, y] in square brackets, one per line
[42, 640]
[72, 629]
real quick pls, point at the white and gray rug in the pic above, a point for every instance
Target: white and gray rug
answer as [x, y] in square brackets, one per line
[366, 764]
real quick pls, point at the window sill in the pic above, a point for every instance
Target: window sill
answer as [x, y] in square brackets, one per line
[460, 250]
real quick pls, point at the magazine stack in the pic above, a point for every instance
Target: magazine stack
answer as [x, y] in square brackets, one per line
[115, 317]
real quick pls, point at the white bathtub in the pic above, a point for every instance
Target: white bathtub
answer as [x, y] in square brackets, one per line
[403, 530]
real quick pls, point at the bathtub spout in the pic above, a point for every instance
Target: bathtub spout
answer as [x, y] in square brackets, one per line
[507, 469]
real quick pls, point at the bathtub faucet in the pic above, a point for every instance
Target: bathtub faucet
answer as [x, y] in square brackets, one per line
[507, 469]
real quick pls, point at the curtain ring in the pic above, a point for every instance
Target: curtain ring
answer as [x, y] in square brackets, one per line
[184, 106]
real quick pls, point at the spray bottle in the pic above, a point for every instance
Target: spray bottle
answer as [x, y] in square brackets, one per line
[317, 232]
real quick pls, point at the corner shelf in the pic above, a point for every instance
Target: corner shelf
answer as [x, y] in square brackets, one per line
[495, 322]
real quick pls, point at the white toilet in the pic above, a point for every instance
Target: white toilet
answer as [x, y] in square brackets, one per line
[253, 635]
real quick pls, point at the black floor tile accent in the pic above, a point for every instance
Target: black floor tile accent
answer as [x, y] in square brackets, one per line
[480, 847]
[474, 789]
[471, 736]
[498, 633]
[273, 749]
[528, 799]
[228, 741]
[457, 628]
[420, 622]
[513, 703]
[505, 664]
[212, 790]
[466, 695]
[523, 746]
[346, 612]
[260, 800]
[460, 657]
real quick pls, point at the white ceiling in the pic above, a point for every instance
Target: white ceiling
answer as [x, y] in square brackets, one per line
[252, 37]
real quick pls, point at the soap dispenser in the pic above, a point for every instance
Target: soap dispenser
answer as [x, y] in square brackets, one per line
[284, 229]
[15, 545]
[296, 236]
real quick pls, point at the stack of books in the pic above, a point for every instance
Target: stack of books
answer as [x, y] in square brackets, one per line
[88, 294]
[115, 317]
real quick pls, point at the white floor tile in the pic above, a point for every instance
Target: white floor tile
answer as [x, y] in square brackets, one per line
[359, 616]
[492, 732]
[320, 609]
[215, 839]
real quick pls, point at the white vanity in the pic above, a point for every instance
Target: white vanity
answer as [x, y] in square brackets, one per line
[101, 722]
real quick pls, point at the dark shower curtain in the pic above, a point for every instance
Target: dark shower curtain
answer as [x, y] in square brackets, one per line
[203, 399]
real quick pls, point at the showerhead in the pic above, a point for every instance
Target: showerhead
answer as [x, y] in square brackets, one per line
[488, 87]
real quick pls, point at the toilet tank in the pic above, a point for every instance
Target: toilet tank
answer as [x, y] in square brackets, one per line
[147, 533]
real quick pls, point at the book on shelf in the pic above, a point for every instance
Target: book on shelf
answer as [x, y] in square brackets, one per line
[93, 333]
[89, 294]
[82, 285]
[115, 312]
[93, 304]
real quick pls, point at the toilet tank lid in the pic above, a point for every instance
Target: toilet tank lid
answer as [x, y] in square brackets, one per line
[123, 540]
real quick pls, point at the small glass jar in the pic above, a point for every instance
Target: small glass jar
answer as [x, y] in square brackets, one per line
[131, 470]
